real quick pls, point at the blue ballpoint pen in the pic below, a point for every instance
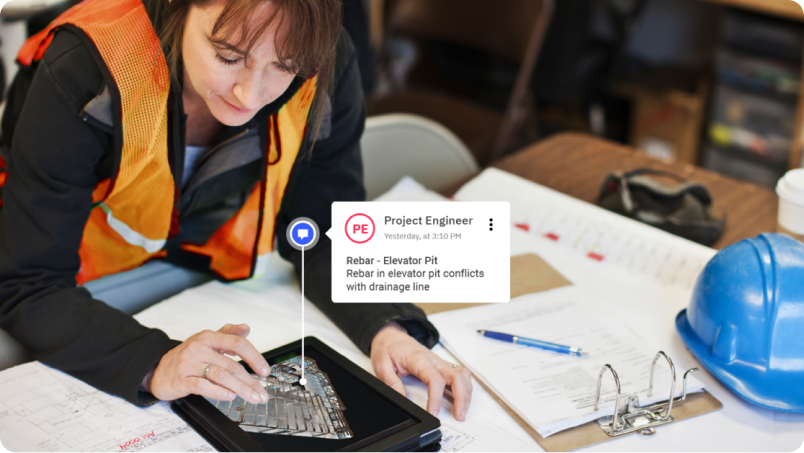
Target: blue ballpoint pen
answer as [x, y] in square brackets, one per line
[535, 343]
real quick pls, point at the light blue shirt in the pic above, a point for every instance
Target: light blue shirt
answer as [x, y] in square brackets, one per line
[192, 155]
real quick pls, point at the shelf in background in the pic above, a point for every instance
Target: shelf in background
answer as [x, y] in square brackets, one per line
[789, 99]
[743, 154]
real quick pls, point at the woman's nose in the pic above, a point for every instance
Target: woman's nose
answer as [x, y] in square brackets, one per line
[249, 91]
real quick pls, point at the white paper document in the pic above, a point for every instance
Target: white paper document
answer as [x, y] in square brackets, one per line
[480, 431]
[43, 409]
[601, 236]
[479, 437]
[408, 189]
[455, 440]
[550, 390]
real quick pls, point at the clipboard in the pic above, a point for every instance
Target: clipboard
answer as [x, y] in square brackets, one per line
[531, 274]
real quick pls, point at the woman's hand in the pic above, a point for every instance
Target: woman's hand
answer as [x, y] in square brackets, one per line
[395, 354]
[181, 370]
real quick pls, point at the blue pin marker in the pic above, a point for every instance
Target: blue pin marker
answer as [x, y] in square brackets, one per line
[302, 234]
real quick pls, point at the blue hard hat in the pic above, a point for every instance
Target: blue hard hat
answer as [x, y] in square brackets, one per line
[745, 322]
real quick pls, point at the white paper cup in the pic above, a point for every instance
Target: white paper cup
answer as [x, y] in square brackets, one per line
[791, 204]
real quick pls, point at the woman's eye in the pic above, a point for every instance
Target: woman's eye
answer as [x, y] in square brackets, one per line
[227, 61]
[281, 68]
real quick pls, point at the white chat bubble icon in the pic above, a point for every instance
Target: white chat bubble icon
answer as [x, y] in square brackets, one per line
[303, 233]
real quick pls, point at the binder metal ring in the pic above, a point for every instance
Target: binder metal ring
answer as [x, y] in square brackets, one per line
[617, 383]
[633, 417]
[672, 382]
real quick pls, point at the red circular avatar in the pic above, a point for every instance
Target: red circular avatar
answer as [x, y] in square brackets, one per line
[359, 228]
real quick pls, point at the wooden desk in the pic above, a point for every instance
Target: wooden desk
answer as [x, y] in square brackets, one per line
[576, 165]
[783, 8]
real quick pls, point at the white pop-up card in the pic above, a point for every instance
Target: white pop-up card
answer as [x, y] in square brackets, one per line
[420, 252]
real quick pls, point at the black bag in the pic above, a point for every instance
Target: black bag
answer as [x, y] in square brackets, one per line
[683, 209]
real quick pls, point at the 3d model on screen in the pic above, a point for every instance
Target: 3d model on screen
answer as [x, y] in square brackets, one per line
[312, 410]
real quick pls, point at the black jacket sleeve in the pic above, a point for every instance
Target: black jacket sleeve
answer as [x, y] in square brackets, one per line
[334, 172]
[47, 201]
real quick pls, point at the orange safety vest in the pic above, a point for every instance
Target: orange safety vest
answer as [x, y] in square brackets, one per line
[135, 210]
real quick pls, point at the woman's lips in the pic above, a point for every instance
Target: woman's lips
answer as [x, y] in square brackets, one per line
[236, 109]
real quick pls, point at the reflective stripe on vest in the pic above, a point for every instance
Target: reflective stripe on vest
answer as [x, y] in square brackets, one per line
[131, 236]
[132, 220]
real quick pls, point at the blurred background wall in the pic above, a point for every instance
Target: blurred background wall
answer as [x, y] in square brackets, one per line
[715, 83]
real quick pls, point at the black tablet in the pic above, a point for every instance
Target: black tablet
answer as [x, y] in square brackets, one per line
[379, 418]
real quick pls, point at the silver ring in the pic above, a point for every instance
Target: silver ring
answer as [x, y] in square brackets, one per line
[206, 371]
[455, 365]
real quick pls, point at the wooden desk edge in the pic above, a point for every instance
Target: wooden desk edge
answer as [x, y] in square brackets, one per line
[537, 163]
[782, 8]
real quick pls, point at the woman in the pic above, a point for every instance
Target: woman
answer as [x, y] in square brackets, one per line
[172, 130]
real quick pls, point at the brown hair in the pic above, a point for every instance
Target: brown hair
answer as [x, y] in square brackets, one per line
[306, 38]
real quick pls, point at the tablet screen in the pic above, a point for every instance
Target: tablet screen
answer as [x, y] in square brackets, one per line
[370, 415]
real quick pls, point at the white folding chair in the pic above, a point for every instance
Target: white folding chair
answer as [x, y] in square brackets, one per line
[398, 145]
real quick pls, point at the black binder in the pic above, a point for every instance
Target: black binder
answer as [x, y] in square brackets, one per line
[381, 418]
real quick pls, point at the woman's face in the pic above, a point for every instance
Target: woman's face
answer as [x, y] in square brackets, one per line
[232, 91]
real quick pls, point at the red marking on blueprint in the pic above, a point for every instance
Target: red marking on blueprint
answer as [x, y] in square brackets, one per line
[522, 226]
[551, 236]
[595, 256]
[135, 440]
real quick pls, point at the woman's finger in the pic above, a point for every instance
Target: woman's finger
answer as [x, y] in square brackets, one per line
[424, 370]
[386, 372]
[204, 387]
[460, 380]
[241, 347]
[222, 377]
[237, 371]
[241, 330]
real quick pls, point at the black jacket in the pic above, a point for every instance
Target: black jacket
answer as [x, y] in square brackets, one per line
[63, 144]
